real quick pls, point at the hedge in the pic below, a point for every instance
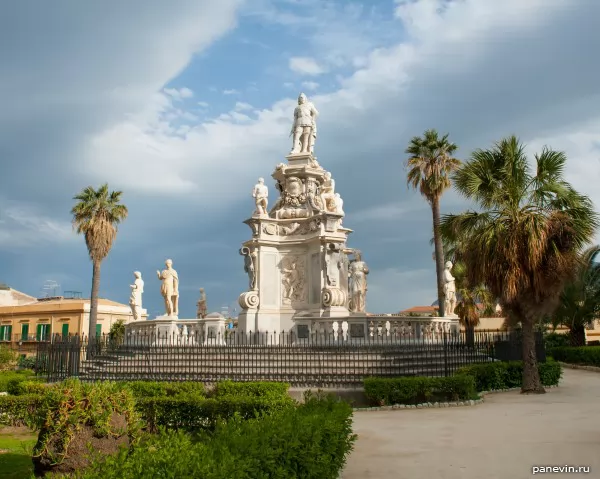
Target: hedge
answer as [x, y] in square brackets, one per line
[17, 387]
[19, 410]
[259, 389]
[7, 377]
[505, 375]
[416, 390]
[310, 441]
[191, 414]
[148, 389]
[583, 355]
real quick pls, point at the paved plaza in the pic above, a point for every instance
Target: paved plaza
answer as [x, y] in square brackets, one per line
[501, 438]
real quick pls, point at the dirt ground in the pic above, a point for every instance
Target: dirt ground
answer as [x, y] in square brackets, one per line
[505, 437]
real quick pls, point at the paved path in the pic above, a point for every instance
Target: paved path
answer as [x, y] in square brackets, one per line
[501, 438]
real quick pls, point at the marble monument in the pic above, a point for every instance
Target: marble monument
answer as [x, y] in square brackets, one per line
[135, 300]
[169, 289]
[449, 291]
[297, 259]
[201, 308]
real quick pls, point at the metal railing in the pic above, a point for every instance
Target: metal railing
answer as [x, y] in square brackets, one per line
[319, 360]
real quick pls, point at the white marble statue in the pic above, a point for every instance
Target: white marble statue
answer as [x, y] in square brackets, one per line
[250, 266]
[339, 204]
[169, 288]
[304, 129]
[260, 193]
[328, 192]
[358, 272]
[449, 291]
[333, 263]
[135, 300]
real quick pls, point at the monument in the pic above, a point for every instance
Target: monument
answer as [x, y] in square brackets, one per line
[135, 300]
[449, 291]
[169, 289]
[297, 258]
[201, 308]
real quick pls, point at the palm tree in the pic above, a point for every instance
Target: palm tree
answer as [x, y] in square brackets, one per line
[579, 304]
[523, 244]
[429, 167]
[96, 215]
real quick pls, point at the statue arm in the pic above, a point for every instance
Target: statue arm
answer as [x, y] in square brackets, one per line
[175, 282]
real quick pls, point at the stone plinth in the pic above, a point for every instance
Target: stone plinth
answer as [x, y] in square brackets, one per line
[213, 329]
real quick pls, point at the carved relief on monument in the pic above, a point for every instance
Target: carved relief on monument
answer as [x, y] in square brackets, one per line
[250, 266]
[290, 229]
[293, 279]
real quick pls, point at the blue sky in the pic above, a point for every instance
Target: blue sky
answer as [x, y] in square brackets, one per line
[183, 104]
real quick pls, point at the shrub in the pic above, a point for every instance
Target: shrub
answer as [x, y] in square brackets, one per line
[415, 390]
[18, 387]
[19, 410]
[555, 340]
[311, 441]
[505, 375]
[73, 414]
[194, 413]
[8, 357]
[8, 377]
[583, 355]
[151, 389]
[251, 389]
[26, 362]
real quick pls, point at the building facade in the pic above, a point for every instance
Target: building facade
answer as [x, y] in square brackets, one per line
[24, 325]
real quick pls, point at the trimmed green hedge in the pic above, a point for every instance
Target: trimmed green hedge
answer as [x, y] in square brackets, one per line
[583, 355]
[10, 377]
[310, 441]
[152, 389]
[258, 389]
[505, 375]
[17, 387]
[19, 410]
[191, 414]
[416, 390]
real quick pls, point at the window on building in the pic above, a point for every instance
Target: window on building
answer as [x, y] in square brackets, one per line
[5, 332]
[65, 330]
[43, 332]
[24, 332]
[98, 330]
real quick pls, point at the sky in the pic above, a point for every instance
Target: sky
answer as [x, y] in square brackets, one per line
[182, 105]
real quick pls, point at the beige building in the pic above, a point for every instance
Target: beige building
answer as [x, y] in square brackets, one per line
[25, 320]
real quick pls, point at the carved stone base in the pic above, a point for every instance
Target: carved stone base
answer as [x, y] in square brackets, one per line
[249, 300]
[333, 297]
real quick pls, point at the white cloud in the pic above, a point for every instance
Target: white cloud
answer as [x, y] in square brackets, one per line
[310, 85]
[288, 84]
[203, 104]
[231, 91]
[179, 94]
[241, 106]
[305, 66]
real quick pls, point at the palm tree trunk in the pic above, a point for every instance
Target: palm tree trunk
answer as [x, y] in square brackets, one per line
[531, 376]
[94, 307]
[577, 335]
[439, 254]
[470, 336]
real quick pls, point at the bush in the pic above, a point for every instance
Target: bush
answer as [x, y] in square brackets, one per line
[19, 410]
[153, 389]
[191, 414]
[416, 390]
[8, 357]
[311, 441]
[26, 362]
[17, 387]
[72, 415]
[9, 377]
[505, 375]
[583, 355]
[555, 340]
[255, 389]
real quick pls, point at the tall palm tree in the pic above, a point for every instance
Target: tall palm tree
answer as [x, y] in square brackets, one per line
[429, 167]
[96, 215]
[579, 304]
[523, 244]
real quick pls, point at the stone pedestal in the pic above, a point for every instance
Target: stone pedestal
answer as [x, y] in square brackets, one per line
[213, 329]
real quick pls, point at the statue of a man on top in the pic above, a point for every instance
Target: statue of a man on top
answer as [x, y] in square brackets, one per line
[304, 129]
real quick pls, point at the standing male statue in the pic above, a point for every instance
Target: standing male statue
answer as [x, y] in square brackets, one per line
[449, 290]
[169, 288]
[135, 300]
[201, 309]
[304, 129]
[260, 193]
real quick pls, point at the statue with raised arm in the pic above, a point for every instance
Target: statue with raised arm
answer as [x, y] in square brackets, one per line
[135, 300]
[169, 288]
[260, 193]
[449, 290]
[304, 128]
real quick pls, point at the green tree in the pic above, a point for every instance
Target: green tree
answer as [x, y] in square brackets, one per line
[96, 215]
[524, 242]
[429, 167]
[579, 304]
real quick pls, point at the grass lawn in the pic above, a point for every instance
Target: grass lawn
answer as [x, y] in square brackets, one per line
[16, 444]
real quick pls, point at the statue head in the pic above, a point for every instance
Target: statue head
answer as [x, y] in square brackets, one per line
[169, 263]
[301, 99]
[448, 264]
[261, 181]
[202, 290]
[337, 195]
[327, 175]
[137, 274]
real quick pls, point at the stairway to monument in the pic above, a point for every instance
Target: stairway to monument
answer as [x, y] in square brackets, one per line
[298, 366]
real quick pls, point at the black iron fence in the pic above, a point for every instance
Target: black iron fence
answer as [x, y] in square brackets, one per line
[319, 360]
